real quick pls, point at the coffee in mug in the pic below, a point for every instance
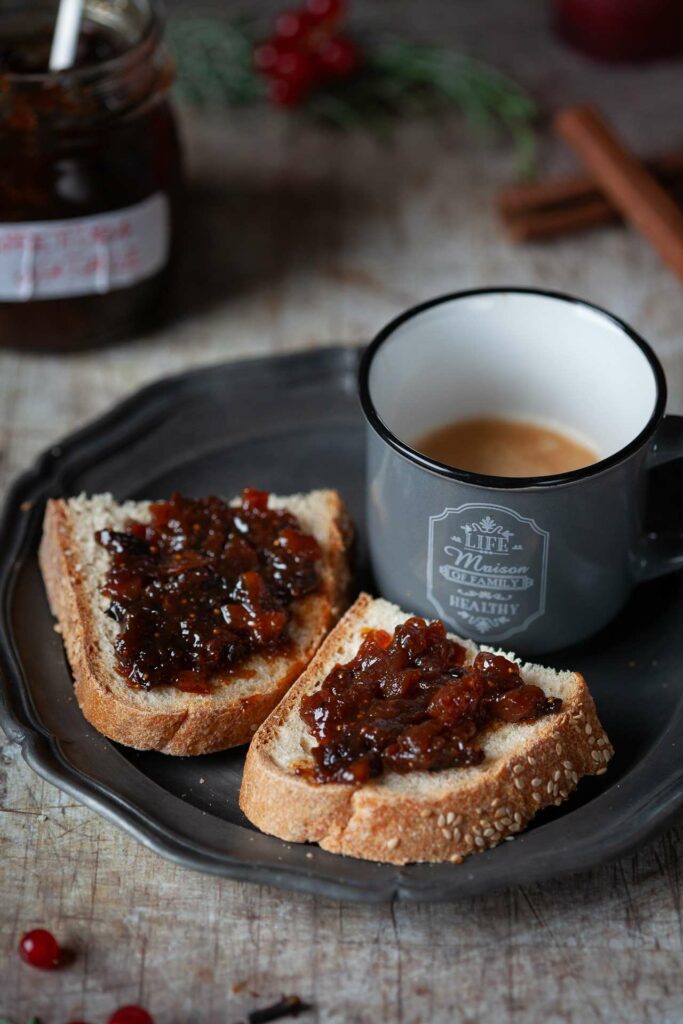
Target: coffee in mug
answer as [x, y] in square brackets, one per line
[502, 447]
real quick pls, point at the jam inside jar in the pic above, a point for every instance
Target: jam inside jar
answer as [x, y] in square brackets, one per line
[90, 171]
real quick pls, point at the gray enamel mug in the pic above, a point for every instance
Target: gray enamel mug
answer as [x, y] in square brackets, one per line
[530, 563]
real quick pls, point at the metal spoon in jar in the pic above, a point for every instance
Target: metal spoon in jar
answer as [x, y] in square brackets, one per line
[65, 38]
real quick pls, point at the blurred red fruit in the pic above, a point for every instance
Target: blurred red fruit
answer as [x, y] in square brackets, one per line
[326, 10]
[266, 56]
[622, 29]
[304, 50]
[296, 66]
[286, 94]
[293, 26]
[338, 57]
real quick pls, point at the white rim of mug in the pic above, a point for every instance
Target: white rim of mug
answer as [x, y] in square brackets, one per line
[508, 482]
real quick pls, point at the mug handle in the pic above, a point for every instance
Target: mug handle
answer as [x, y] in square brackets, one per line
[661, 553]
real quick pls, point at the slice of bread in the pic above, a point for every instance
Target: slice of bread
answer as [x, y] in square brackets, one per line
[420, 816]
[165, 718]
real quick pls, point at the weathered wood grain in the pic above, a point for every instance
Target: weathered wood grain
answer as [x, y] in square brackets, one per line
[297, 239]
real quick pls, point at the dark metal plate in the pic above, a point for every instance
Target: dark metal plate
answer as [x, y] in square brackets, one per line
[289, 424]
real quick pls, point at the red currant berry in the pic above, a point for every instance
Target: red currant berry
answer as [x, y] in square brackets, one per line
[338, 57]
[293, 26]
[326, 10]
[266, 56]
[296, 66]
[39, 948]
[286, 94]
[131, 1015]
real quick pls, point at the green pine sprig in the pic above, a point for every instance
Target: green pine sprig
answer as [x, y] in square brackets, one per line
[397, 80]
[214, 61]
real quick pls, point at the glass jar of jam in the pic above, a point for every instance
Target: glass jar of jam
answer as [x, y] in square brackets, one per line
[89, 176]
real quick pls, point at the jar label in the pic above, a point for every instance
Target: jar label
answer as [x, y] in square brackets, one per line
[486, 570]
[84, 255]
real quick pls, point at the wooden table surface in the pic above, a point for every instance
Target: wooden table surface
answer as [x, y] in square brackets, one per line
[297, 239]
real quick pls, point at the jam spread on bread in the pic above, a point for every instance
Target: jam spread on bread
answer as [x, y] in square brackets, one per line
[409, 702]
[203, 585]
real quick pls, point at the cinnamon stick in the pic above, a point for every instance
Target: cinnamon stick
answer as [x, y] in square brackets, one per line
[560, 219]
[525, 197]
[628, 184]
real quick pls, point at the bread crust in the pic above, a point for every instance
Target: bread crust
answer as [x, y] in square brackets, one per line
[195, 724]
[378, 823]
